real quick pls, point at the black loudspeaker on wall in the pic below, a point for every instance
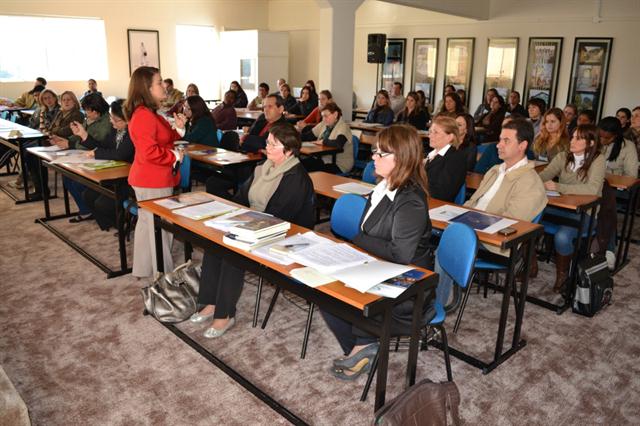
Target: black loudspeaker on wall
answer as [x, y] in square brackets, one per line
[375, 48]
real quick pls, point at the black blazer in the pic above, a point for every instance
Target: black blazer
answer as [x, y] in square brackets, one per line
[108, 150]
[418, 120]
[470, 152]
[446, 174]
[254, 142]
[398, 230]
[293, 201]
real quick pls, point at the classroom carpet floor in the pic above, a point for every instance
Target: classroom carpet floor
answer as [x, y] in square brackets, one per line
[79, 350]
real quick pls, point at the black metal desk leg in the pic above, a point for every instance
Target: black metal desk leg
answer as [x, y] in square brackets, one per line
[120, 225]
[23, 165]
[522, 300]
[383, 362]
[43, 190]
[504, 310]
[416, 323]
[627, 229]
[65, 192]
[157, 230]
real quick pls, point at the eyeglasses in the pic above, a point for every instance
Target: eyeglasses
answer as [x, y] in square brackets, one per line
[380, 153]
[274, 145]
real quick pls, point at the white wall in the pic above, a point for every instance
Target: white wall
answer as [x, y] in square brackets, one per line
[620, 19]
[119, 15]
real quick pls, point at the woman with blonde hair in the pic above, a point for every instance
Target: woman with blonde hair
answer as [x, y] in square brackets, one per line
[446, 166]
[395, 226]
[553, 137]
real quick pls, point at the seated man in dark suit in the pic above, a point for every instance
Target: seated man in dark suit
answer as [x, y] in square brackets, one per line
[256, 139]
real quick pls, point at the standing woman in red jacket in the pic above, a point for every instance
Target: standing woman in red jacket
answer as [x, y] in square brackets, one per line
[151, 174]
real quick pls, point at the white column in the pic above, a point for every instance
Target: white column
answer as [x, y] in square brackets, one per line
[337, 33]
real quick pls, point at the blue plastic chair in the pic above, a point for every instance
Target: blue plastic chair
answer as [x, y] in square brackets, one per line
[462, 195]
[369, 173]
[483, 147]
[456, 255]
[185, 174]
[219, 134]
[346, 214]
[487, 267]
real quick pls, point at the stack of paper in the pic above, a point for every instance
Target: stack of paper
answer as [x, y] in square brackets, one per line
[354, 188]
[206, 210]
[184, 200]
[279, 252]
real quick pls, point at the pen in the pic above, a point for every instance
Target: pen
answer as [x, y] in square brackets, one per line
[295, 245]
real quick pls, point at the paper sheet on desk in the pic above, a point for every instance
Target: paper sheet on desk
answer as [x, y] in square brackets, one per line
[310, 277]
[308, 239]
[76, 159]
[446, 213]
[202, 211]
[330, 257]
[52, 148]
[228, 157]
[363, 277]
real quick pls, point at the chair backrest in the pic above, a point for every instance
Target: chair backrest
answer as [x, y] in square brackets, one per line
[355, 141]
[483, 147]
[369, 173]
[537, 219]
[346, 214]
[457, 252]
[185, 173]
[462, 194]
[219, 134]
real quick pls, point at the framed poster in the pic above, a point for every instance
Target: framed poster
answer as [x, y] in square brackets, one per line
[589, 73]
[144, 49]
[393, 66]
[543, 63]
[424, 66]
[501, 65]
[459, 64]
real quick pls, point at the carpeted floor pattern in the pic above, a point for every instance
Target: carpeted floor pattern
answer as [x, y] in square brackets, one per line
[79, 350]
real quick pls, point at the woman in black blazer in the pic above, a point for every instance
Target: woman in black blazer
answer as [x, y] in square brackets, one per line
[395, 226]
[446, 166]
[281, 187]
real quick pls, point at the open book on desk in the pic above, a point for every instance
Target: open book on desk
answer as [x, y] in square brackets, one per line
[206, 210]
[184, 200]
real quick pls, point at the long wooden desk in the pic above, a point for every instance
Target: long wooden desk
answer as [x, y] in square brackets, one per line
[218, 163]
[365, 127]
[320, 151]
[526, 235]
[359, 308]
[108, 182]
[19, 144]
[630, 185]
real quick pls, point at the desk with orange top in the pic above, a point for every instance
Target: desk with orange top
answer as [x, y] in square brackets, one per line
[362, 309]
[110, 182]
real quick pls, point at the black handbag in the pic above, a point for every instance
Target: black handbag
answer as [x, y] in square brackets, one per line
[595, 286]
[173, 297]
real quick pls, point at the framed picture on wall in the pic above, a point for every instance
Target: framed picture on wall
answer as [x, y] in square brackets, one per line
[459, 64]
[424, 66]
[589, 71]
[144, 49]
[543, 63]
[393, 66]
[500, 74]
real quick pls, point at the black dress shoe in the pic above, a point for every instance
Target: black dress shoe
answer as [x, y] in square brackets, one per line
[35, 196]
[80, 218]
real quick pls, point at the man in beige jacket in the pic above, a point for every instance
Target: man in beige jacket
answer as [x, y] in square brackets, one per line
[511, 189]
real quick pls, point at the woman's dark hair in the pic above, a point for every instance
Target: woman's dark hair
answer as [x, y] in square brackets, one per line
[612, 125]
[406, 145]
[288, 136]
[138, 93]
[627, 113]
[198, 108]
[240, 89]
[470, 137]
[459, 106]
[332, 107]
[423, 98]
[117, 110]
[327, 94]
[500, 100]
[463, 95]
[386, 95]
[309, 91]
[588, 132]
[311, 84]
[265, 86]
[95, 102]
[194, 87]
[542, 105]
[42, 81]
[37, 89]
[589, 114]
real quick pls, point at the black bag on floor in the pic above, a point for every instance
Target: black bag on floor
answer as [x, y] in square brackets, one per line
[595, 286]
[174, 296]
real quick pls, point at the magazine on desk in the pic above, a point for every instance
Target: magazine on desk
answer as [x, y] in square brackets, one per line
[253, 225]
[394, 287]
[477, 220]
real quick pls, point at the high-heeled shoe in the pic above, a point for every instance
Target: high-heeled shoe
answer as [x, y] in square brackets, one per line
[359, 369]
[197, 318]
[212, 333]
[367, 352]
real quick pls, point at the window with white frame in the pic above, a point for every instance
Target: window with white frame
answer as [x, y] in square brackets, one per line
[67, 49]
[198, 59]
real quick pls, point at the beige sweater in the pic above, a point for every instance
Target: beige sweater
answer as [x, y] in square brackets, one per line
[627, 162]
[344, 160]
[568, 182]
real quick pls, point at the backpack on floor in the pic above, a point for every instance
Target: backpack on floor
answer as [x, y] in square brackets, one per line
[595, 286]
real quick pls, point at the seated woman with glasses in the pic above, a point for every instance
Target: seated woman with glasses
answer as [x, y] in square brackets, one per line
[200, 125]
[281, 187]
[395, 226]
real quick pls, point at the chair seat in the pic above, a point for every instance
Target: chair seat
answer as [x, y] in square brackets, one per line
[130, 206]
[483, 264]
[552, 229]
[440, 314]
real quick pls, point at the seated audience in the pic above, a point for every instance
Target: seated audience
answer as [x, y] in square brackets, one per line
[395, 226]
[423, 102]
[381, 113]
[334, 132]
[30, 99]
[304, 106]
[445, 165]
[586, 116]
[413, 114]
[314, 116]
[97, 124]
[279, 82]
[173, 94]
[281, 187]
[467, 135]
[514, 107]
[463, 99]
[571, 114]
[256, 103]
[241, 96]
[200, 126]
[491, 122]
[288, 101]
[580, 170]
[447, 89]
[93, 88]
[511, 189]
[48, 110]
[485, 107]
[624, 115]
[553, 137]
[396, 99]
[225, 115]
[536, 107]
[117, 146]
[313, 93]
[452, 106]
[256, 138]
[192, 90]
